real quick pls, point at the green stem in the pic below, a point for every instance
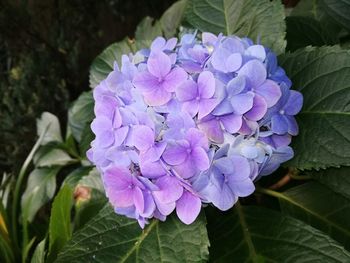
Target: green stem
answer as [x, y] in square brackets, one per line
[19, 181]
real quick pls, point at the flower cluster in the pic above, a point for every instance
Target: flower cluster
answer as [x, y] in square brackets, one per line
[181, 124]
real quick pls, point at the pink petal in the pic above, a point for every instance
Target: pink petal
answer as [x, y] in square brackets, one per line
[169, 189]
[213, 130]
[145, 82]
[188, 207]
[158, 97]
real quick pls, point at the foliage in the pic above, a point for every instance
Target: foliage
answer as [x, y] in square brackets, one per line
[298, 214]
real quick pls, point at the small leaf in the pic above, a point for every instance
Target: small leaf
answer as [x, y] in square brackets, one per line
[146, 31]
[261, 20]
[74, 177]
[322, 75]
[338, 10]
[41, 187]
[87, 137]
[103, 63]
[49, 156]
[60, 230]
[337, 179]
[113, 238]
[257, 234]
[306, 31]
[81, 114]
[53, 132]
[92, 180]
[172, 17]
[321, 208]
[39, 253]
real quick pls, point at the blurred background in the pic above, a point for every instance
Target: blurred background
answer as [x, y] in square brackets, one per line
[46, 49]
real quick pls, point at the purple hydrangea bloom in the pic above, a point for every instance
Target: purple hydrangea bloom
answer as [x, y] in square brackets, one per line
[190, 122]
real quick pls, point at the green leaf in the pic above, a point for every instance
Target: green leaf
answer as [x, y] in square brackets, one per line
[172, 17]
[322, 75]
[258, 19]
[146, 32]
[49, 156]
[321, 208]
[257, 234]
[103, 63]
[41, 187]
[74, 177]
[39, 253]
[305, 31]
[337, 179]
[53, 132]
[81, 114]
[338, 10]
[87, 137]
[92, 180]
[113, 238]
[60, 230]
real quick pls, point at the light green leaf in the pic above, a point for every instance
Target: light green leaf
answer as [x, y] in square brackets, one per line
[322, 75]
[60, 230]
[74, 177]
[305, 31]
[92, 180]
[48, 156]
[103, 63]
[146, 32]
[81, 114]
[338, 10]
[321, 208]
[257, 234]
[113, 238]
[53, 132]
[258, 19]
[337, 179]
[41, 187]
[172, 17]
[39, 253]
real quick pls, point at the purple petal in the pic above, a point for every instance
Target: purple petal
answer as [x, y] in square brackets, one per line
[101, 124]
[233, 62]
[218, 57]
[293, 128]
[205, 107]
[175, 155]
[236, 85]
[223, 198]
[256, 51]
[159, 64]
[187, 91]
[146, 82]
[206, 85]
[294, 103]
[212, 129]
[279, 124]
[105, 139]
[170, 189]
[225, 107]
[196, 137]
[242, 103]
[164, 208]
[241, 188]
[200, 158]
[241, 166]
[138, 200]
[122, 198]
[149, 205]
[258, 110]
[188, 207]
[117, 178]
[191, 107]
[174, 79]
[158, 97]
[225, 165]
[231, 122]
[254, 71]
[158, 44]
[152, 169]
[186, 169]
[143, 137]
[120, 135]
[270, 91]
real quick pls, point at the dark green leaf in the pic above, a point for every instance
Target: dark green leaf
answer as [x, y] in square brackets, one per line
[103, 63]
[306, 31]
[172, 17]
[53, 132]
[60, 230]
[323, 76]
[257, 234]
[41, 187]
[339, 10]
[86, 138]
[146, 32]
[321, 208]
[337, 179]
[113, 238]
[258, 19]
[39, 253]
[49, 156]
[81, 114]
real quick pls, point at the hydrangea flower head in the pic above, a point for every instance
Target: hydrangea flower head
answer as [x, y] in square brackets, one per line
[191, 122]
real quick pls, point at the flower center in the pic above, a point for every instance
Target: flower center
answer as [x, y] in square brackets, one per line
[282, 112]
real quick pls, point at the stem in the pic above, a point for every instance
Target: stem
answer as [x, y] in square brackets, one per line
[21, 175]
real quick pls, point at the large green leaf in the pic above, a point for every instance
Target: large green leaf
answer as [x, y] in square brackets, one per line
[103, 63]
[60, 230]
[339, 10]
[320, 207]
[146, 32]
[40, 189]
[172, 17]
[258, 19]
[323, 77]
[304, 31]
[81, 114]
[113, 238]
[337, 179]
[50, 122]
[49, 156]
[257, 234]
